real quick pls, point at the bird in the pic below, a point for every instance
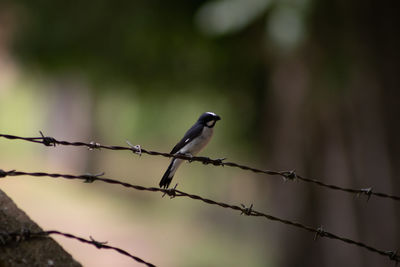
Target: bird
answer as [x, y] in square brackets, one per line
[194, 140]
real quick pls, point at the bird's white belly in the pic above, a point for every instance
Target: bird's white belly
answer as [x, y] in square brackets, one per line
[198, 143]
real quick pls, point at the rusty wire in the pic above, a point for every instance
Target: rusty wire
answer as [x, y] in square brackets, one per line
[173, 192]
[24, 234]
[287, 175]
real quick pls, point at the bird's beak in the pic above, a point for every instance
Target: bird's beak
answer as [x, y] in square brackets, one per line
[217, 118]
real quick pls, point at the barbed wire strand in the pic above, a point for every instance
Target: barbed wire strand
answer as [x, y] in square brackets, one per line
[6, 238]
[287, 175]
[173, 192]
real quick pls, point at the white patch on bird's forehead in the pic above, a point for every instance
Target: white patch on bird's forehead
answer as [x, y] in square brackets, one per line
[211, 113]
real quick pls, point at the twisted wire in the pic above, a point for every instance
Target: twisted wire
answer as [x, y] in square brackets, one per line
[173, 192]
[6, 238]
[287, 175]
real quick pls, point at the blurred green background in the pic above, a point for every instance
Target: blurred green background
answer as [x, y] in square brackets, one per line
[299, 84]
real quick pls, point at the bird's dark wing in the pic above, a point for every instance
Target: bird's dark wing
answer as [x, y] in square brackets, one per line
[192, 133]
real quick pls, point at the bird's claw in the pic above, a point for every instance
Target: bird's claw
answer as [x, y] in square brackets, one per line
[188, 155]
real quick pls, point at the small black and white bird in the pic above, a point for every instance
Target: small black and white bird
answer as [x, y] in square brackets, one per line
[194, 140]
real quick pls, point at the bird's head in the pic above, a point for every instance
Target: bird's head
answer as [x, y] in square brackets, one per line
[209, 119]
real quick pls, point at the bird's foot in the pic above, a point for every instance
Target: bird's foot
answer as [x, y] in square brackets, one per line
[189, 155]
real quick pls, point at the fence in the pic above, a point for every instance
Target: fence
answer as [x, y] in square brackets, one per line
[173, 192]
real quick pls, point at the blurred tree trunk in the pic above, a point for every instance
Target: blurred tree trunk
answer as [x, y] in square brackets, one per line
[71, 98]
[338, 123]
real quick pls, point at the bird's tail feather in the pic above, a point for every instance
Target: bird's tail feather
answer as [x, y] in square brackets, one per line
[168, 175]
[170, 172]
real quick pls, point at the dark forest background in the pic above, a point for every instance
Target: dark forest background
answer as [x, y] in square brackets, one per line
[306, 85]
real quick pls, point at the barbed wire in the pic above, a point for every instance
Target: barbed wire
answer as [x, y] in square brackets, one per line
[24, 234]
[286, 175]
[173, 192]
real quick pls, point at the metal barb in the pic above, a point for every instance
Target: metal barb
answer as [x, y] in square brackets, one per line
[171, 192]
[319, 233]
[367, 192]
[47, 140]
[93, 145]
[289, 175]
[246, 211]
[90, 178]
[393, 256]
[219, 162]
[98, 244]
[135, 149]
